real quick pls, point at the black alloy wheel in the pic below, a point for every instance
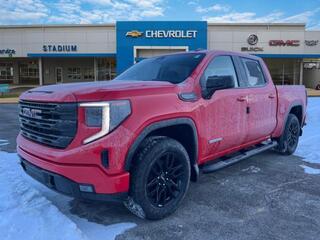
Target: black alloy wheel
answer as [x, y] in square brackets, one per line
[293, 134]
[165, 179]
[288, 142]
[160, 178]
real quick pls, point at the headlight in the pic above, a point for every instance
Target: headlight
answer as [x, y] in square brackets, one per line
[105, 115]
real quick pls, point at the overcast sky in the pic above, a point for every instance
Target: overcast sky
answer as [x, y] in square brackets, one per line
[106, 11]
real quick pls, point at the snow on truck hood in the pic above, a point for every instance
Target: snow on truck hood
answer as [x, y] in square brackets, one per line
[93, 91]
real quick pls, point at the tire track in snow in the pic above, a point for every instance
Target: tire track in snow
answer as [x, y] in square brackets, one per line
[4, 142]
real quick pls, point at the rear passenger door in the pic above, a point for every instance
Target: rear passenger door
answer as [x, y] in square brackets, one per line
[261, 100]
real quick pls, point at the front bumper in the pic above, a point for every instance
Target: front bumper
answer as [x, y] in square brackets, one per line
[66, 186]
[82, 166]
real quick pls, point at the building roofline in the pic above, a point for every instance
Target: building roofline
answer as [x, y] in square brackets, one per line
[114, 24]
[58, 25]
[258, 24]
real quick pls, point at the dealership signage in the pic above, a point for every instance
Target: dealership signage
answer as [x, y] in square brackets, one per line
[7, 51]
[284, 43]
[59, 48]
[251, 49]
[163, 33]
[311, 43]
[252, 40]
[132, 36]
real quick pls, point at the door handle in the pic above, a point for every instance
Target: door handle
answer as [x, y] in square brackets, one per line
[271, 96]
[242, 99]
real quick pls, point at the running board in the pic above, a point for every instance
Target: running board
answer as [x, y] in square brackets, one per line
[241, 156]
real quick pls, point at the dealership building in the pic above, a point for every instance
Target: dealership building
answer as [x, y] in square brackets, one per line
[49, 54]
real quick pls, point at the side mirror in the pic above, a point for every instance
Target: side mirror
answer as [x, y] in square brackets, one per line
[215, 83]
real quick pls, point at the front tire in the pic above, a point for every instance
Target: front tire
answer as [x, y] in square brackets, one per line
[160, 177]
[288, 142]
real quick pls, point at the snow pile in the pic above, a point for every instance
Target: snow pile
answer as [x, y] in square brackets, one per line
[25, 212]
[309, 143]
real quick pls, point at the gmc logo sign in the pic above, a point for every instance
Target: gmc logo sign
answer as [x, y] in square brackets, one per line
[289, 43]
[31, 113]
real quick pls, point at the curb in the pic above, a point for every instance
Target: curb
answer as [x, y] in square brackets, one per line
[8, 100]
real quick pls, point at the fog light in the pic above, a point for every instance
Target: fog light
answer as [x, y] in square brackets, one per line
[86, 188]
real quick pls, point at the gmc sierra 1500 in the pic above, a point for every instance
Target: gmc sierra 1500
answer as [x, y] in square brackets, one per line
[142, 137]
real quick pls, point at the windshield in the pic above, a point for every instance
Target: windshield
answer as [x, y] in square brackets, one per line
[170, 68]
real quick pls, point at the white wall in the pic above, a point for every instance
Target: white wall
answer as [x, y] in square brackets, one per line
[234, 37]
[102, 38]
[89, 39]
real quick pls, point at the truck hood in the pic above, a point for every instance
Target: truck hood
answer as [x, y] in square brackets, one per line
[95, 91]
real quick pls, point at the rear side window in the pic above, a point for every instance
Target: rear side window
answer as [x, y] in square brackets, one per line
[253, 72]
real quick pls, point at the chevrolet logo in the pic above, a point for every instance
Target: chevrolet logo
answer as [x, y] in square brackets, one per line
[134, 34]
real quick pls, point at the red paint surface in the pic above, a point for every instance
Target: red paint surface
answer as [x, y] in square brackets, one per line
[222, 116]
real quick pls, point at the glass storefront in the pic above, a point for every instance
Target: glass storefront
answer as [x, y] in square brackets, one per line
[284, 71]
[82, 69]
[6, 72]
[106, 68]
[311, 73]
[88, 74]
[29, 72]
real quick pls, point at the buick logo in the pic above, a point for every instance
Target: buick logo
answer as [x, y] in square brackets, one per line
[31, 113]
[252, 39]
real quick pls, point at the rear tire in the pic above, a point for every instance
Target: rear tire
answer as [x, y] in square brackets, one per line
[159, 179]
[288, 142]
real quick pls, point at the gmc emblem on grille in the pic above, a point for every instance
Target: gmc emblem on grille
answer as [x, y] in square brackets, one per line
[31, 113]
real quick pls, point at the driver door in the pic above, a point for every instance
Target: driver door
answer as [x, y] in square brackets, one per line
[224, 112]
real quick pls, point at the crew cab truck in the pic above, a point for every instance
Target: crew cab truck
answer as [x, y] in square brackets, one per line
[143, 136]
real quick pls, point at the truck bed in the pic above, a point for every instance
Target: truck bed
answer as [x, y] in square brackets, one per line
[288, 97]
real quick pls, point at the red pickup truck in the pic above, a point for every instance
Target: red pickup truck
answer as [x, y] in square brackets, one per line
[142, 137]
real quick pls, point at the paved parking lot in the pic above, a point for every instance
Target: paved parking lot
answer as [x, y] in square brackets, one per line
[265, 197]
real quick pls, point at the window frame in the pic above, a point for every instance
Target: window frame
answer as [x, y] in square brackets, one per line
[73, 74]
[27, 70]
[7, 68]
[244, 76]
[234, 64]
[88, 74]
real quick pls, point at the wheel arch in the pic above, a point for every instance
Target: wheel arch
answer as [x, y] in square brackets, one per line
[297, 110]
[178, 129]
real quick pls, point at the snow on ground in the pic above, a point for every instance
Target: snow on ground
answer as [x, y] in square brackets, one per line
[27, 213]
[310, 170]
[309, 143]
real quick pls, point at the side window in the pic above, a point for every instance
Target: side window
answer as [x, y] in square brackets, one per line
[219, 66]
[253, 72]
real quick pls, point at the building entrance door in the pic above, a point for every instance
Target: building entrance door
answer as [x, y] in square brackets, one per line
[59, 76]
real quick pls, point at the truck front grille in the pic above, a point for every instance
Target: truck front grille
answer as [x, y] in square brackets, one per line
[51, 124]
